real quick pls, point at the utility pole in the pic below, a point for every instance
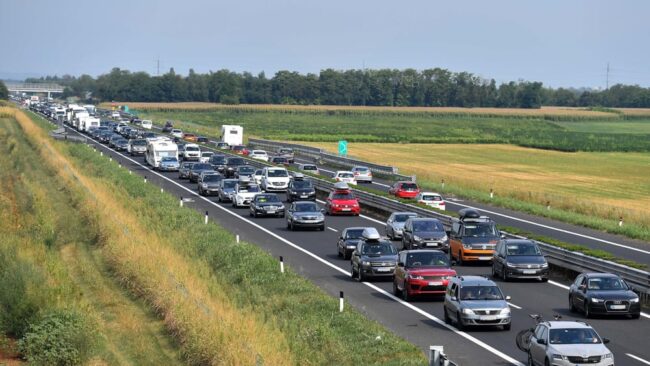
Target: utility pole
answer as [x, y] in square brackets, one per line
[607, 78]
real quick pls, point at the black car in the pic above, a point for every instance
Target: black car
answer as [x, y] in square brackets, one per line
[604, 294]
[148, 135]
[202, 140]
[184, 170]
[105, 136]
[196, 170]
[266, 204]
[300, 189]
[348, 241]
[231, 166]
[373, 257]
[279, 160]
[209, 184]
[218, 163]
[244, 171]
[167, 128]
[424, 232]
[515, 258]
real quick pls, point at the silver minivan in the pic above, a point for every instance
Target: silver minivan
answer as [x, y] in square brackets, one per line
[476, 301]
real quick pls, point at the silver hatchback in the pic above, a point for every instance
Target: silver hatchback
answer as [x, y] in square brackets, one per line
[476, 301]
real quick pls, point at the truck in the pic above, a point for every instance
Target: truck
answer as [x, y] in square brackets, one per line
[86, 122]
[232, 134]
[91, 109]
[78, 113]
[158, 148]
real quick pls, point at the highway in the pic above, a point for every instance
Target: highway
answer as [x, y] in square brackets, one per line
[313, 254]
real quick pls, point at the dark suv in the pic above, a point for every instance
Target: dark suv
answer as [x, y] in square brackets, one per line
[515, 258]
[231, 166]
[424, 232]
[373, 257]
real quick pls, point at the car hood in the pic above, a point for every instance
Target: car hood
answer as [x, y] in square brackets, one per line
[278, 179]
[211, 184]
[307, 213]
[435, 235]
[480, 240]
[526, 259]
[582, 350]
[485, 304]
[381, 258]
[303, 190]
[351, 242]
[228, 190]
[174, 163]
[398, 225]
[432, 271]
[613, 295]
[265, 204]
[247, 194]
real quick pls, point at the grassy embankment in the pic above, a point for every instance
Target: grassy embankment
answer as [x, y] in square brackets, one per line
[213, 294]
[52, 268]
[589, 189]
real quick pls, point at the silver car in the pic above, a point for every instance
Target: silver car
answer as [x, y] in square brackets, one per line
[395, 224]
[476, 301]
[305, 214]
[362, 174]
[567, 343]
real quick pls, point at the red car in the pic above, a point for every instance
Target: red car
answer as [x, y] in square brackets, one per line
[240, 149]
[342, 201]
[422, 272]
[404, 190]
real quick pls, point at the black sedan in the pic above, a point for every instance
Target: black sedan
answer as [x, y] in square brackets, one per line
[184, 170]
[266, 204]
[604, 294]
[300, 189]
[348, 241]
[196, 170]
[514, 258]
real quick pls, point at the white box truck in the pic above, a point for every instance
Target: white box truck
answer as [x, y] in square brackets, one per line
[232, 135]
[158, 148]
[87, 122]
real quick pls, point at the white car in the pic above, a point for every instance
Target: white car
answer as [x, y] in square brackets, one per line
[147, 124]
[120, 126]
[275, 179]
[567, 343]
[431, 199]
[177, 133]
[205, 156]
[244, 193]
[257, 176]
[115, 115]
[259, 155]
[191, 152]
[362, 174]
[345, 176]
[308, 168]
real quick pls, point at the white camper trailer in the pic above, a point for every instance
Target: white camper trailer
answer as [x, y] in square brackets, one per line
[158, 148]
[232, 135]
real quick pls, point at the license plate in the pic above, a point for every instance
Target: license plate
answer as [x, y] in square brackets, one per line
[383, 269]
[270, 211]
[617, 307]
[432, 244]
[488, 317]
[345, 209]
[435, 283]
[484, 258]
[529, 271]
[303, 196]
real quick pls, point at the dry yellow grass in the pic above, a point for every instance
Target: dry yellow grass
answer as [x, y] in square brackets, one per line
[207, 325]
[635, 112]
[604, 184]
[198, 106]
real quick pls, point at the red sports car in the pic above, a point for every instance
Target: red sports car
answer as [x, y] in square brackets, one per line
[421, 272]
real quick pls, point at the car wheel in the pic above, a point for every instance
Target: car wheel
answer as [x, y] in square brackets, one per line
[546, 362]
[338, 252]
[288, 225]
[544, 279]
[572, 307]
[459, 322]
[635, 315]
[587, 311]
[396, 290]
[219, 198]
[447, 318]
[405, 293]
[250, 213]
[460, 258]
[360, 276]
[292, 227]
[353, 273]
[346, 255]
[504, 274]
[507, 327]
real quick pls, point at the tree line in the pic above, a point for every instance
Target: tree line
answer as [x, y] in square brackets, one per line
[384, 87]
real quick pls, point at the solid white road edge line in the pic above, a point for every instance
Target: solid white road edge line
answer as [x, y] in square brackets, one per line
[333, 229]
[638, 359]
[431, 317]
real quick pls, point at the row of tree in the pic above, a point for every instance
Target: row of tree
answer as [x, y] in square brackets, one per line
[385, 87]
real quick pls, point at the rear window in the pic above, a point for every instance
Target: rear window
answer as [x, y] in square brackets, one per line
[191, 148]
[236, 161]
[309, 167]
[343, 196]
[427, 225]
[429, 197]
[201, 167]
[346, 175]
[360, 170]
[354, 234]
[409, 186]
[277, 173]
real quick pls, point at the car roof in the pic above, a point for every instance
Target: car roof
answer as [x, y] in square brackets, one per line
[475, 281]
[423, 251]
[518, 241]
[343, 171]
[430, 193]
[567, 324]
[403, 213]
[424, 219]
[600, 274]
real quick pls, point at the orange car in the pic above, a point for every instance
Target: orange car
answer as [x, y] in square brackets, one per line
[473, 237]
[190, 137]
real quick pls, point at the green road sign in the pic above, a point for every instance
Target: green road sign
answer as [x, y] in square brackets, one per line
[343, 147]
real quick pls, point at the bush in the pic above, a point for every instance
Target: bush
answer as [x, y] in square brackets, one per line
[63, 337]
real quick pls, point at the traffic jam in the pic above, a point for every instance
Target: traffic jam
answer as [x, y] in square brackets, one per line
[421, 257]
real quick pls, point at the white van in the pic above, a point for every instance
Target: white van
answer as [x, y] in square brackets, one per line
[275, 179]
[147, 124]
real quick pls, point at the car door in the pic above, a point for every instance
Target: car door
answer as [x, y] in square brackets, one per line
[389, 226]
[500, 259]
[400, 271]
[454, 239]
[407, 235]
[579, 292]
[538, 351]
[452, 301]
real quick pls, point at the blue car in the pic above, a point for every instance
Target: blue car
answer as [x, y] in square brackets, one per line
[169, 164]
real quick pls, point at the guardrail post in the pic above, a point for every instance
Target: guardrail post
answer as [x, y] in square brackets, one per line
[281, 261]
[442, 183]
[181, 202]
[491, 193]
[341, 301]
[434, 355]
[206, 217]
[548, 205]
[145, 179]
[620, 221]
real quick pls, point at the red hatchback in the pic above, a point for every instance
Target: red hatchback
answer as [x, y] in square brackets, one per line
[404, 189]
[342, 201]
[240, 149]
[421, 272]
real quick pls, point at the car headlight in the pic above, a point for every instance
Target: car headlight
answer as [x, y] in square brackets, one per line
[415, 277]
[416, 238]
[505, 311]
[596, 300]
[608, 355]
[444, 238]
[544, 265]
[559, 357]
[634, 300]
[467, 246]
[203, 185]
[321, 217]
[509, 264]
[365, 263]
[468, 311]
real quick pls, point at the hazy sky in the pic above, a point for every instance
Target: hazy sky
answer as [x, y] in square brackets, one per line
[558, 42]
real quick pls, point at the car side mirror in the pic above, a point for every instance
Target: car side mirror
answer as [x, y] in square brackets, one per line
[453, 298]
[582, 288]
[400, 264]
[322, 210]
[541, 341]
[605, 340]
[508, 298]
[503, 236]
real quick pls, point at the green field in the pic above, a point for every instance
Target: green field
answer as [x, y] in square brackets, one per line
[579, 134]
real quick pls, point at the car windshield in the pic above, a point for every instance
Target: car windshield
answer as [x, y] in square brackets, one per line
[169, 159]
[263, 198]
[522, 249]
[426, 259]
[236, 161]
[480, 229]
[403, 217]
[309, 167]
[259, 152]
[229, 183]
[286, 151]
[480, 293]
[246, 170]
[343, 196]
[280, 160]
[427, 225]
[217, 159]
[306, 207]
[122, 142]
[206, 154]
[192, 148]
[346, 175]
[212, 178]
[409, 186]
[301, 184]
[354, 234]
[361, 170]
[573, 336]
[606, 284]
[258, 172]
[187, 165]
[429, 197]
[277, 173]
[201, 166]
[378, 249]
[248, 189]
[237, 148]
